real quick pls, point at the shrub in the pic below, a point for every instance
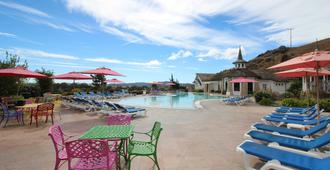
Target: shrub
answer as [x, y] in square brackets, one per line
[266, 102]
[287, 95]
[261, 95]
[296, 88]
[294, 102]
[325, 104]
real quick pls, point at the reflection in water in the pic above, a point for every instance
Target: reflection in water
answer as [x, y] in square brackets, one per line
[181, 100]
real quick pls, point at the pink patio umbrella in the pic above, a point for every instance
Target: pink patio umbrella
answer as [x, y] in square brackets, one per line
[243, 80]
[72, 76]
[20, 72]
[315, 60]
[114, 81]
[170, 84]
[155, 83]
[302, 72]
[102, 71]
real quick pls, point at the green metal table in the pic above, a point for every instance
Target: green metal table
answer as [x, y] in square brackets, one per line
[111, 132]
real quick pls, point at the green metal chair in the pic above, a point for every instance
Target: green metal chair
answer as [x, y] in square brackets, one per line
[145, 148]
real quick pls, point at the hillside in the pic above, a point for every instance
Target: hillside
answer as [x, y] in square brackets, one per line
[272, 57]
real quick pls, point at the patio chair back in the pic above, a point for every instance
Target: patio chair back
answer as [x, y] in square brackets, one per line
[91, 151]
[44, 109]
[155, 133]
[4, 109]
[119, 119]
[56, 134]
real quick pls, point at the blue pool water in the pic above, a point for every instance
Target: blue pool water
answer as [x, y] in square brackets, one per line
[181, 100]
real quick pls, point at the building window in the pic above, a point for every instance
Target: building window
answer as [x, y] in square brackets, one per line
[236, 87]
[264, 86]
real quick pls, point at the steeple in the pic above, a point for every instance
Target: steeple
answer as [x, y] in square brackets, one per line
[240, 57]
[240, 62]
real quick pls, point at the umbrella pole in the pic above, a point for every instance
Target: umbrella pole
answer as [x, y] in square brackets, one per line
[317, 93]
[18, 86]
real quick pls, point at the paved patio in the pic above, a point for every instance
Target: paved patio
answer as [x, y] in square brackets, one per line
[192, 139]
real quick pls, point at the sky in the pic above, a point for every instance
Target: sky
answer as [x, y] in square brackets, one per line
[148, 40]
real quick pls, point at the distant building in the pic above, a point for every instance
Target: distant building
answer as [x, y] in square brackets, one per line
[220, 82]
[309, 84]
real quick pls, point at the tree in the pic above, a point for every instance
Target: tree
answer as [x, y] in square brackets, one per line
[296, 87]
[98, 82]
[176, 82]
[9, 85]
[45, 84]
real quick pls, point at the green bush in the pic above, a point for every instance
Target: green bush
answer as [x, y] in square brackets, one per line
[325, 104]
[287, 95]
[261, 95]
[294, 102]
[266, 102]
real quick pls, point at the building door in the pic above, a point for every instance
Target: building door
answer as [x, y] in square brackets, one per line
[250, 88]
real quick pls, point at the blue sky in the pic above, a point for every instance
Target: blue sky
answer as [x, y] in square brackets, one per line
[148, 40]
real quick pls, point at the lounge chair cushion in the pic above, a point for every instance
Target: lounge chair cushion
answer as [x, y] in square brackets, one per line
[292, 132]
[307, 122]
[286, 158]
[291, 142]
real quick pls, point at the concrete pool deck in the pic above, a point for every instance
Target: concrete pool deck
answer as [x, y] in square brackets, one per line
[192, 139]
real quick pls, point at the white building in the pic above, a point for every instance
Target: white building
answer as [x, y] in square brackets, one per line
[220, 82]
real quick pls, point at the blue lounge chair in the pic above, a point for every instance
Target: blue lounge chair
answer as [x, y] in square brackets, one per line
[292, 132]
[123, 109]
[285, 159]
[300, 122]
[307, 112]
[310, 116]
[295, 143]
[297, 110]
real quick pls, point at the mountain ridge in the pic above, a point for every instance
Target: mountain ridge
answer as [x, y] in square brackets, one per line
[282, 53]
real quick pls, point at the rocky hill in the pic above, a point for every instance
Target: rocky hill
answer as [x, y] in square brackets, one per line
[278, 55]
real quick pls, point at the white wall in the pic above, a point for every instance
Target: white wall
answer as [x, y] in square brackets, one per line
[276, 87]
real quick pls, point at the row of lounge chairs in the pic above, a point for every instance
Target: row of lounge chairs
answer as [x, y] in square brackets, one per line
[101, 95]
[105, 107]
[237, 100]
[284, 147]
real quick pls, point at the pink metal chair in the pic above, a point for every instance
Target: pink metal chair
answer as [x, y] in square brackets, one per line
[58, 138]
[119, 119]
[91, 154]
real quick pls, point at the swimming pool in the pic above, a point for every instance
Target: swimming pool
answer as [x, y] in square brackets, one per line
[180, 100]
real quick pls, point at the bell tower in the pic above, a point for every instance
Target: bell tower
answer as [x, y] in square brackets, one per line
[240, 62]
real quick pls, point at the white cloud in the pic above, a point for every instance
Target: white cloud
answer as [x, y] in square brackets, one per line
[168, 22]
[180, 54]
[182, 23]
[226, 54]
[127, 36]
[5, 34]
[62, 65]
[150, 64]
[24, 8]
[104, 60]
[38, 53]
[309, 19]
[51, 24]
